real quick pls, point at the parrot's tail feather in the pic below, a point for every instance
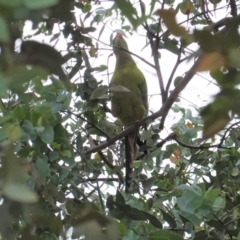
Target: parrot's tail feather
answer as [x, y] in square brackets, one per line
[130, 149]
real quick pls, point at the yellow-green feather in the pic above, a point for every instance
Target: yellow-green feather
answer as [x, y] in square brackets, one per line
[128, 106]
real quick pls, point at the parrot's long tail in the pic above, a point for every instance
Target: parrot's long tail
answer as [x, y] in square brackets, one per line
[130, 149]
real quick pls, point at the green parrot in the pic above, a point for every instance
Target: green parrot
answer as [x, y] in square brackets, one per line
[128, 106]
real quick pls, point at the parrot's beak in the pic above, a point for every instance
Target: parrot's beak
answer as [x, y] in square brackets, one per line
[119, 35]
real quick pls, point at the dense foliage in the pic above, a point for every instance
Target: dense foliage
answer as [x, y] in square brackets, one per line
[62, 154]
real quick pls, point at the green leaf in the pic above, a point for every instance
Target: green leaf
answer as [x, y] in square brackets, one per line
[66, 153]
[189, 202]
[61, 95]
[164, 235]
[19, 192]
[101, 68]
[28, 127]
[193, 188]
[53, 156]
[18, 113]
[47, 135]
[79, 142]
[148, 183]
[192, 217]
[169, 219]
[201, 235]
[2, 134]
[212, 194]
[12, 3]
[153, 220]
[170, 46]
[235, 172]
[136, 215]
[17, 76]
[3, 85]
[13, 132]
[219, 204]
[130, 12]
[43, 109]
[146, 134]
[43, 167]
[213, 125]
[215, 224]
[39, 4]
[99, 92]
[87, 8]
[56, 107]
[168, 16]
[4, 33]
[119, 197]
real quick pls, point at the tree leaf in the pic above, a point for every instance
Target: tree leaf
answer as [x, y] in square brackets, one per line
[28, 127]
[4, 32]
[219, 204]
[19, 192]
[164, 235]
[189, 202]
[119, 197]
[211, 62]
[193, 188]
[99, 92]
[47, 135]
[38, 4]
[13, 3]
[153, 220]
[168, 16]
[129, 11]
[43, 167]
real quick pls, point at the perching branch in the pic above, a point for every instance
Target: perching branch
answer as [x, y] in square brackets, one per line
[93, 125]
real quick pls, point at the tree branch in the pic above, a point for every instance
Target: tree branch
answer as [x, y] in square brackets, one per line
[154, 47]
[233, 8]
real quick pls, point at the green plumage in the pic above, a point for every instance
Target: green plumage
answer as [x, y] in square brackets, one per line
[128, 106]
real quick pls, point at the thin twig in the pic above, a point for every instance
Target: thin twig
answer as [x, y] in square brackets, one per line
[93, 125]
[173, 72]
[110, 165]
[161, 126]
[101, 180]
[157, 65]
[142, 59]
[229, 234]
[100, 196]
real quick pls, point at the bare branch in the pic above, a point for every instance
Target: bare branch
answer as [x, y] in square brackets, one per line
[154, 47]
[233, 8]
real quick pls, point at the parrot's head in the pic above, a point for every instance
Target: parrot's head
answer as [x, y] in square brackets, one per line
[119, 43]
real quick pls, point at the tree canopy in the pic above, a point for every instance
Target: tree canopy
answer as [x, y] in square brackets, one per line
[62, 151]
